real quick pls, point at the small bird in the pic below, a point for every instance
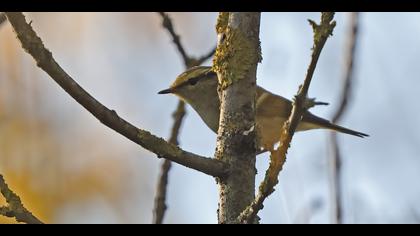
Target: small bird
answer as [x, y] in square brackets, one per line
[198, 87]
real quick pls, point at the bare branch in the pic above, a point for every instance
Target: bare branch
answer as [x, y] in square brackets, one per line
[160, 199]
[14, 206]
[189, 61]
[348, 74]
[167, 23]
[178, 116]
[44, 59]
[161, 191]
[236, 62]
[278, 156]
[335, 180]
[336, 175]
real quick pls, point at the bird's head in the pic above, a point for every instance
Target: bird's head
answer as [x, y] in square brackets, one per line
[194, 84]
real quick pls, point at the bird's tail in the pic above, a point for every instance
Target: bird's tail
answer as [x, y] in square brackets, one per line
[345, 130]
[308, 117]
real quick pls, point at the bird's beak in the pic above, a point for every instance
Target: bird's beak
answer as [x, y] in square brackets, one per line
[165, 91]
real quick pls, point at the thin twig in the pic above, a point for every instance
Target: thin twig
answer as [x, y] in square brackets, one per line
[160, 198]
[14, 206]
[348, 74]
[161, 191]
[336, 175]
[160, 207]
[278, 156]
[189, 61]
[178, 115]
[44, 59]
[167, 23]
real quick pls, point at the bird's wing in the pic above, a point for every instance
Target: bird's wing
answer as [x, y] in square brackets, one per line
[272, 105]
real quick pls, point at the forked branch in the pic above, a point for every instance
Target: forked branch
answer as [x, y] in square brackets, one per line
[178, 116]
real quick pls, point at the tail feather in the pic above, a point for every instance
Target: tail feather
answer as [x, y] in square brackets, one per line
[345, 130]
[310, 118]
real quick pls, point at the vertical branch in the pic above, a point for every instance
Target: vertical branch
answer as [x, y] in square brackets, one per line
[300, 104]
[160, 198]
[335, 160]
[237, 55]
[178, 116]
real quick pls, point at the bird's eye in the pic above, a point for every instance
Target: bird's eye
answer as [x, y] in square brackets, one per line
[193, 81]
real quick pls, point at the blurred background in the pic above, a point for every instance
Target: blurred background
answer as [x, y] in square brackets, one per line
[69, 168]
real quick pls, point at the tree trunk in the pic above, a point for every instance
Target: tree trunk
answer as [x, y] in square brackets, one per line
[237, 56]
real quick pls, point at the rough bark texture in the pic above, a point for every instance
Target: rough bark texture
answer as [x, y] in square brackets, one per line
[237, 56]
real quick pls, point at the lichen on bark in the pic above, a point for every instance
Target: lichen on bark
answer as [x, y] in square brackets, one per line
[236, 54]
[222, 22]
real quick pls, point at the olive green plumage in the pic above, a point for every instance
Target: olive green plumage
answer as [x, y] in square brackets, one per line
[198, 87]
